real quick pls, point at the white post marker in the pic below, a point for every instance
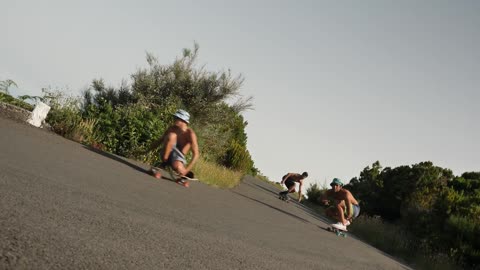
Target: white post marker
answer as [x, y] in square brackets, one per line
[39, 114]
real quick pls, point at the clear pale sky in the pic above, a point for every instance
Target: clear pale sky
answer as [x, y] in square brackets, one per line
[337, 85]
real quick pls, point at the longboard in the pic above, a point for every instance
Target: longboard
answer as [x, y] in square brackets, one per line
[284, 198]
[338, 232]
[173, 176]
[156, 172]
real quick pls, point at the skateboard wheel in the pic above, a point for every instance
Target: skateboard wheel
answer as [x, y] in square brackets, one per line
[183, 183]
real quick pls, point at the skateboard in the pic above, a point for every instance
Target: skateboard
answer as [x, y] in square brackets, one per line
[156, 172]
[284, 198]
[181, 180]
[338, 232]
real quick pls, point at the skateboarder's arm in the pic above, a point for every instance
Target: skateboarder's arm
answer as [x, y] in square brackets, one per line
[171, 140]
[300, 190]
[195, 151]
[348, 210]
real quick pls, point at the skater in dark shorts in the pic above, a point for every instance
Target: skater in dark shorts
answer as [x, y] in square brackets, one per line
[289, 180]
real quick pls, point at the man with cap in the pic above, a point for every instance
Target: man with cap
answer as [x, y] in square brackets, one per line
[177, 140]
[289, 180]
[346, 207]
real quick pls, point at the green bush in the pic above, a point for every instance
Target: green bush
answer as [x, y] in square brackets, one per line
[6, 98]
[128, 130]
[64, 115]
[238, 158]
[64, 121]
[315, 193]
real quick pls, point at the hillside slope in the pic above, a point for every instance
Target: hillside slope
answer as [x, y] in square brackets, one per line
[63, 206]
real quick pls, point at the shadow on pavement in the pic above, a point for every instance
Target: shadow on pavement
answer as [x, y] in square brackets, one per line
[305, 208]
[279, 210]
[264, 188]
[314, 214]
[117, 158]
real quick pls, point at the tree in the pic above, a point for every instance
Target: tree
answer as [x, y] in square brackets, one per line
[195, 89]
[315, 193]
[368, 187]
[101, 94]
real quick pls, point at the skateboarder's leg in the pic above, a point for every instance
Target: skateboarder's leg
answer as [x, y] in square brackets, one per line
[340, 208]
[177, 161]
[290, 189]
[179, 167]
[332, 213]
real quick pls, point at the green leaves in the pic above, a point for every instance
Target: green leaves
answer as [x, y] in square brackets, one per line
[238, 158]
[195, 89]
[315, 193]
[440, 209]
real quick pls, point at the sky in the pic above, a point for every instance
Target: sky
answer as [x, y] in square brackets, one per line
[337, 85]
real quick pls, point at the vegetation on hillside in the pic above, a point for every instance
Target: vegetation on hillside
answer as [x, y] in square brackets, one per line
[127, 119]
[437, 213]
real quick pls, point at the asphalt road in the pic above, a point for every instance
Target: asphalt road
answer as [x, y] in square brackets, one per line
[64, 206]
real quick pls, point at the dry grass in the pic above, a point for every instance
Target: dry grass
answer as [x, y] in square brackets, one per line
[84, 131]
[215, 175]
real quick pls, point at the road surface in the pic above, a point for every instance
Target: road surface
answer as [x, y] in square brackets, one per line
[65, 206]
